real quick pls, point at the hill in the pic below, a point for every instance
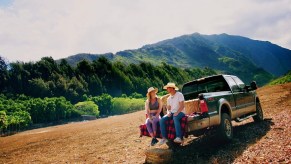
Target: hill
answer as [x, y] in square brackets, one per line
[116, 139]
[247, 58]
[282, 80]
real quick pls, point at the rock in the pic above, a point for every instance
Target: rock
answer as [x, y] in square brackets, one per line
[158, 155]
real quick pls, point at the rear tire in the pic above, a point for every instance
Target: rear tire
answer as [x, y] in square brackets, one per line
[225, 128]
[260, 116]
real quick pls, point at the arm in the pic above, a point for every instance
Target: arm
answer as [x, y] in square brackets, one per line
[168, 109]
[160, 107]
[181, 104]
[146, 106]
[181, 107]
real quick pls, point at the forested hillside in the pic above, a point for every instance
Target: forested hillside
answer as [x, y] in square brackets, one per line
[249, 59]
[272, 58]
[46, 78]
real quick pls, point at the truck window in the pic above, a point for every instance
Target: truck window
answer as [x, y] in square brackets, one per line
[232, 84]
[238, 82]
[191, 90]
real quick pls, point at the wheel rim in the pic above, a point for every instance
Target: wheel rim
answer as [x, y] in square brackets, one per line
[227, 127]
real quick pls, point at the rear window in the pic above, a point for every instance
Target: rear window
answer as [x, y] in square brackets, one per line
[215, 84]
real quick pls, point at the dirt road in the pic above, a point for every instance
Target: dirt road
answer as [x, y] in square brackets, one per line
[116, 139]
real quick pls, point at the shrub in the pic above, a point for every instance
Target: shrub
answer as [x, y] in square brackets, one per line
[125, 105]
[103, 102]
[87, 108]
[282, 80]
[3, 120]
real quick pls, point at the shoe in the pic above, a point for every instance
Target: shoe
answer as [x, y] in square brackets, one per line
[154, 141]
[178, 140]
[163, 141]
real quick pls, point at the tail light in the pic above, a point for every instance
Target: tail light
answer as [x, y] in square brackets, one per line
[203, 105]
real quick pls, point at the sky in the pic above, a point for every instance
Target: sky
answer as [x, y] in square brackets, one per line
[32, 29]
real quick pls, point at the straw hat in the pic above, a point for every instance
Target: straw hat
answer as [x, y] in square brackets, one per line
[171, 85]
[152, 89]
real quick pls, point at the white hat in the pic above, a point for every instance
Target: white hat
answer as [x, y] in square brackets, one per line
[171, 85]
[152, 89]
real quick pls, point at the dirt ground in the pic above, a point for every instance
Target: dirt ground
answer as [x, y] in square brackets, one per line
[116, 139]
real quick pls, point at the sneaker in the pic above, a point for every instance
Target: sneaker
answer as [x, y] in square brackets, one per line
[178, 140]
[154, 141]
[163, 141]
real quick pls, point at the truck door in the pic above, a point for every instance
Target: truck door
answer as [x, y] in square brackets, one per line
[238, 95]
[248, 98]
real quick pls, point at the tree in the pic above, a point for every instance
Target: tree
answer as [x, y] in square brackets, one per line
[39, 88]
[66, 69]
[95, 86]
[3, 74]
[85, 68]
[17, 77]
[46, 66]
[136, 95]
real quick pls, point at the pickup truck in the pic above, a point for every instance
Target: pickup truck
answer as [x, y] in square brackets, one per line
[220, 99]
[213, 102]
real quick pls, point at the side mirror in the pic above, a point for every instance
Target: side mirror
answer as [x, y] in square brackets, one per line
[254, 85]
[247, 88]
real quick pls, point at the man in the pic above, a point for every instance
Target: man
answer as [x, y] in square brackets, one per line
[175, 108]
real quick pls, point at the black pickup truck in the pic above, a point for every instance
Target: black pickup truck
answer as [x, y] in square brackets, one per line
[221, 99]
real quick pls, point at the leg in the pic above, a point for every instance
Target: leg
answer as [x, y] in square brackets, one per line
[178, 125]
[163, 126]
[154, 125]
[149, 127]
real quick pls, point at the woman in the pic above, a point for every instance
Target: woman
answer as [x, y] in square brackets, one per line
[153, 107]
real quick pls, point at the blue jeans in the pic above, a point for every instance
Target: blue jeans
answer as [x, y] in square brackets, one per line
[176, 123]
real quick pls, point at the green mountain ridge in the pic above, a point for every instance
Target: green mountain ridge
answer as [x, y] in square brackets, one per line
[247, 58]
[282, 80]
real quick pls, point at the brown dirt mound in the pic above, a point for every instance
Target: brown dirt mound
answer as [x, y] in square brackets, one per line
[116, 139]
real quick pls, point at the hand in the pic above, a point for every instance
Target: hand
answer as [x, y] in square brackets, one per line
[176, 114]
[150, 119]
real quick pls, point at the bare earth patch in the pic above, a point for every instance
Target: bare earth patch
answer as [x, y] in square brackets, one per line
[116, 139]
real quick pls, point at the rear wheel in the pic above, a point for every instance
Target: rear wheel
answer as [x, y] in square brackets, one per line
[225, 128]
[260, 116]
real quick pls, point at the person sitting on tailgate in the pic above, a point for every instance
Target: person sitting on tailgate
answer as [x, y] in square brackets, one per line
[153, 107]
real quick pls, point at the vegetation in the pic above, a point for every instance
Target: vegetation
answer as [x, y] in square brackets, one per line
[125, 105]
[18, 113]
[282, 80]
[47, 78]
[47, 91]
[87, 107]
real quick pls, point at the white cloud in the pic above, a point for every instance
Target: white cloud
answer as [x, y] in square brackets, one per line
[33, 29]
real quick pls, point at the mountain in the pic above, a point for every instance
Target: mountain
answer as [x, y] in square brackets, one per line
[247, 58]
[73, 60]
[270, 57]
